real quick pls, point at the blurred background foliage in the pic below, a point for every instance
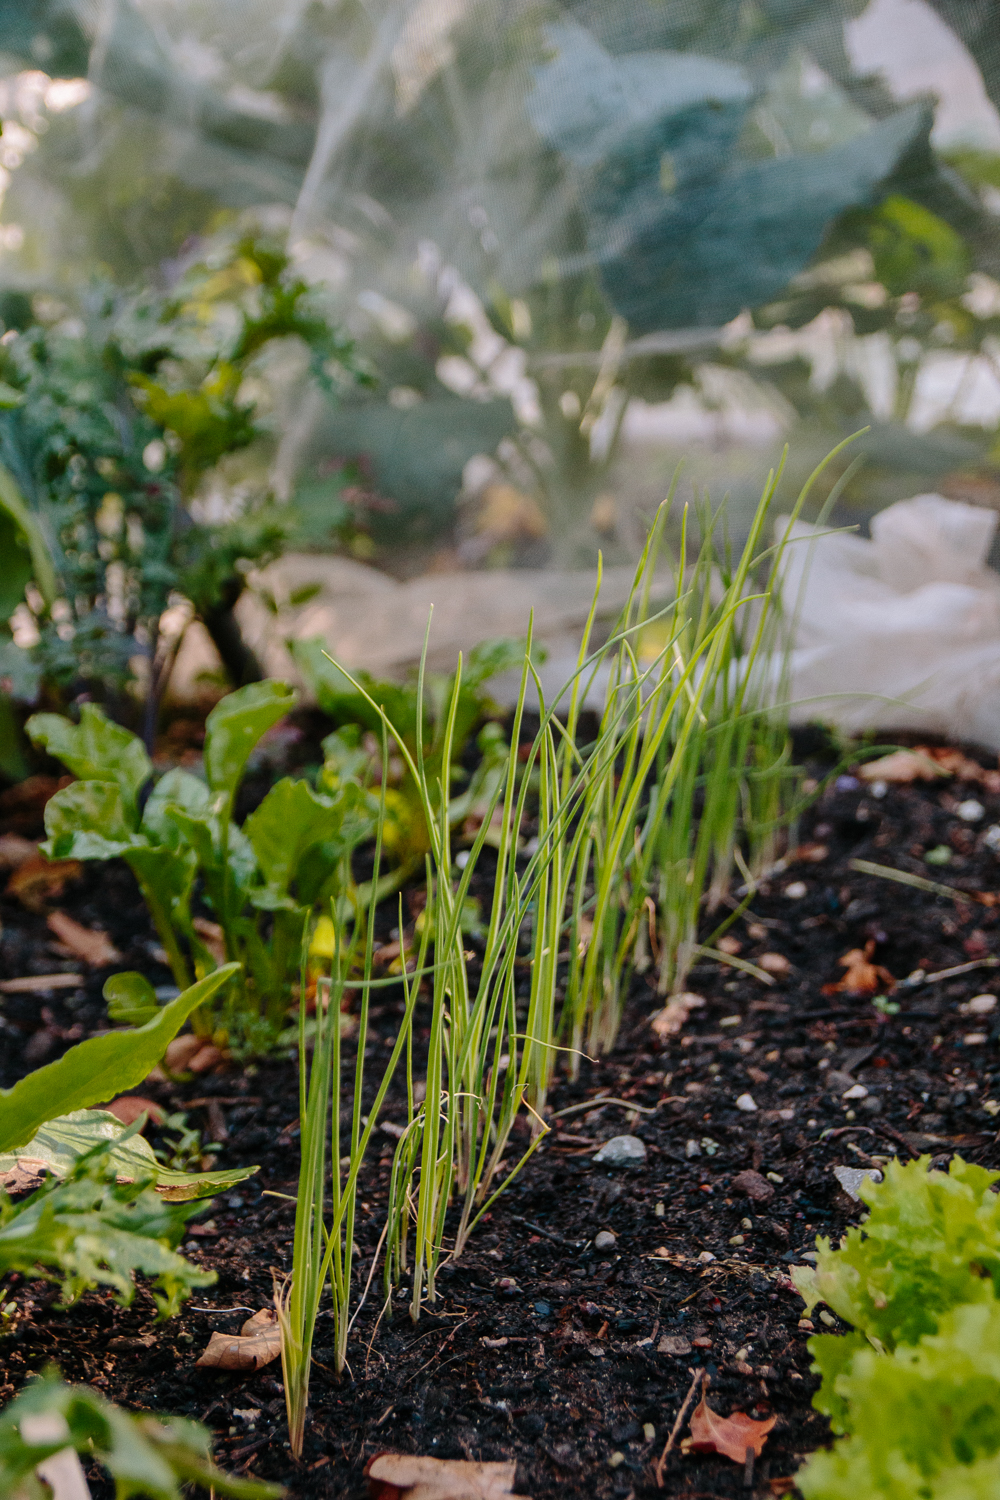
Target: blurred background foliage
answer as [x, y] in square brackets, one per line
[563, 242]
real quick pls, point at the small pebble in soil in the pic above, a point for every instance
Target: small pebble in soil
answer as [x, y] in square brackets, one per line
[615, 1460]
[979, 1005]
[737, 1239]
[939, 855]
[621, 1151]
[856, 1091]
[991, 838]
[974, 1038]
[970, 811]
[706, 1258]
[648, 1431]
[659, 1211]
[745, 1102]
[796, 890]
[604, 1240]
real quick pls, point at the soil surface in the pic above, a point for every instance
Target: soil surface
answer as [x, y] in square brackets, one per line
[571, 1359]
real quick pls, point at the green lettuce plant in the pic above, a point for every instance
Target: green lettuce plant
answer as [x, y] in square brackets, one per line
[261, 881]
[145, 1454]
[915, 1387]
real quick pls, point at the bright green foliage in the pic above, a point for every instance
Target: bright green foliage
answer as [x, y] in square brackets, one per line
[261, 882]
[110, 427]
[96, 750]
[916, 1386]
[923, 1421]
[61, 1142]
[90, 1230]
[930, 1243]
[145, 1455]
[405, 836]
[99, 1068]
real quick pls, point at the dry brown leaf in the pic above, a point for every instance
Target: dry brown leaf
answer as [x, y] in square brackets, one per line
[128, 1107]
[14, 850]
[38, 984]
[39, 880]
[27, 1173]
[95, 948]
[257, 1344]
[213, 937]
[904, 766]
[730, 1436]
[191, 1054]
[404, 1476]
[668, 1021]
[862, 976]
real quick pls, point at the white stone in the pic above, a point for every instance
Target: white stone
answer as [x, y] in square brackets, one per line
[745, 1102]
[981, 1005]
[857, 1091]
[796, 890]
[970, 811]
[621, 1151]
[604, 1240]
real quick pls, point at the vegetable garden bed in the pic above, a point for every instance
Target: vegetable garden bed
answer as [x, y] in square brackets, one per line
[570, 1356]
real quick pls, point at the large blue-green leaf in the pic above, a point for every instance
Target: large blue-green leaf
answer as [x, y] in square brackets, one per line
[99, 1068]
[87, 820]
[235, 725]
[683, 229]
[96, 750]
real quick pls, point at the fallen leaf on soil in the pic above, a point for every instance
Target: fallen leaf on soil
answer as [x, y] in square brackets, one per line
[187, 1054]
[404, 1476]
[257, 1344]
[669, 1020]
[37, 984]
[128, 1107]
[730, 1436]
[14, 850]
[39, 880]
[862, 976]
[903, 766]
[95, 948]
[774, 963]
[213, 938]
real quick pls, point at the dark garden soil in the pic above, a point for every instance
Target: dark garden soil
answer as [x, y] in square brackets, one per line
[542, 1347]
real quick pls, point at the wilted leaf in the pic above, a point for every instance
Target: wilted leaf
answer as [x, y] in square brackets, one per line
[257, 1344]
[129, 1107]
[95, 948]
[39, 880]
[668, 1021]
[404, 1476]
[730, 1436]
[862, 977]
[60, 1143]
[903, 766]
